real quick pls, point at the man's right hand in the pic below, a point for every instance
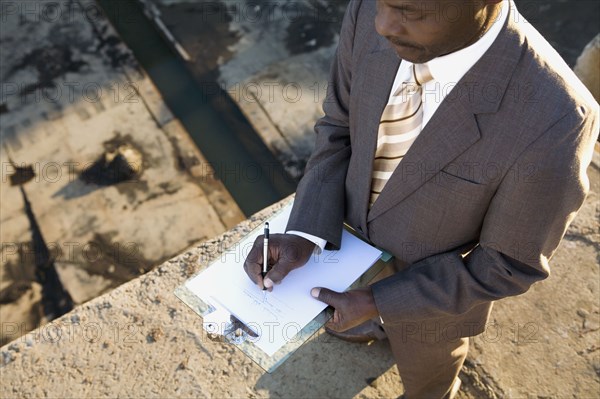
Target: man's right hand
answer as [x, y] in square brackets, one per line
[286, 253]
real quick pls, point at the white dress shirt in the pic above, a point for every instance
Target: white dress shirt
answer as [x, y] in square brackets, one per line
[447, 71]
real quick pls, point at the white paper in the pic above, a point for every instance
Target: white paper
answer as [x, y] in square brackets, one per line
[279, 315]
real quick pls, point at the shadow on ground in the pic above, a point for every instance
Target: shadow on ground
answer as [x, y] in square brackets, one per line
[329, 367]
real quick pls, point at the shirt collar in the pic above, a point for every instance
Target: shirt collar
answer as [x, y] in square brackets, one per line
[452, 67]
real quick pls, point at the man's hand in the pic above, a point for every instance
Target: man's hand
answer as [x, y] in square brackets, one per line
[352, 308]
[286, 253]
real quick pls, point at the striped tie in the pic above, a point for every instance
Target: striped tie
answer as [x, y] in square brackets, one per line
[399, 127]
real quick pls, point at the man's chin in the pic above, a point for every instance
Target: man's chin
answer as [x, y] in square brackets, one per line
[412, 54]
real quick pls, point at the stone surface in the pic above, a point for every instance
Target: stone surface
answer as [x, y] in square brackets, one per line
[588, 66]
[72, 95]
[273, 58]
[140, 340]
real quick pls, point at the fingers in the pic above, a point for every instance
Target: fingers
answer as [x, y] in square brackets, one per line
[352, 308]
[329, 297]
[277, 273]
[253, 264]
[291, 252]
[286, 253]
[268, 284]
[336, 322]
[332, 298]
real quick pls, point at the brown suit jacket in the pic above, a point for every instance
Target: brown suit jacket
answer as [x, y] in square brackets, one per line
[483, 197]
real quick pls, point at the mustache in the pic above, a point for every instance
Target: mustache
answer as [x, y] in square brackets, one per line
[398, 42]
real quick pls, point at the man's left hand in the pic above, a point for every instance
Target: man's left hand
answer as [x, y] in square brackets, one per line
[352, 308]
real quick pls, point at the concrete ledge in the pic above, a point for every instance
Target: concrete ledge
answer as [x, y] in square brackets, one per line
[141, 341]
[100, 232]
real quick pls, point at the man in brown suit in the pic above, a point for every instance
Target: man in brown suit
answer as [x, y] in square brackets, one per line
[493, 171]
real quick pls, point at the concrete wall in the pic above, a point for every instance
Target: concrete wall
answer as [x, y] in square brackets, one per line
[141, 341]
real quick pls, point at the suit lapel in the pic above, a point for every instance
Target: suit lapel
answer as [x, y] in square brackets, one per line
[450, 132]
[453, 128]
[378, 74]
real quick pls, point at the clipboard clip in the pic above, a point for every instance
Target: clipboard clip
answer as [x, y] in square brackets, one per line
[222, 326]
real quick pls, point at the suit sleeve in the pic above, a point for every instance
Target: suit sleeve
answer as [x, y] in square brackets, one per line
[319, 203]
[522, 228]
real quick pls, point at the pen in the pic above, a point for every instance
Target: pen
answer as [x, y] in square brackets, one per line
[265, 252]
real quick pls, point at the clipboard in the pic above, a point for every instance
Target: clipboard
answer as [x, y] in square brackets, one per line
[222, 326]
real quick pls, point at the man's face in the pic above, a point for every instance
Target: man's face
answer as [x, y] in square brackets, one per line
[421, 30]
